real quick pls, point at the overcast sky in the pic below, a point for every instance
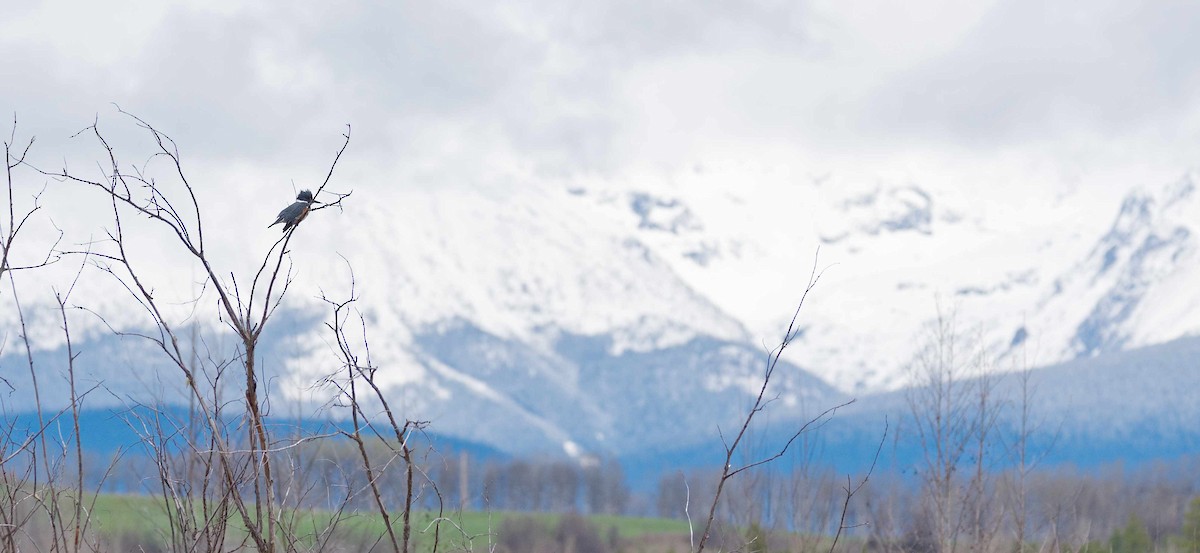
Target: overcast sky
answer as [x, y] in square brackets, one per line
[1053, 109]
[1095, 91]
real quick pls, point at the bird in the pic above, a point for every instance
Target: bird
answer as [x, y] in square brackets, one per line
[293, 214]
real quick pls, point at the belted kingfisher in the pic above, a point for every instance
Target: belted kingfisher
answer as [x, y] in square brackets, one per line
[293, 214]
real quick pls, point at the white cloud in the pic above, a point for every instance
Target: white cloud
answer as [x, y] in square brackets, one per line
[1034, 70]
[573, 85]
[1037, 104]
[455, 93]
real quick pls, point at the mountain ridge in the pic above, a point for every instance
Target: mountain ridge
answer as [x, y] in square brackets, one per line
[607, 319]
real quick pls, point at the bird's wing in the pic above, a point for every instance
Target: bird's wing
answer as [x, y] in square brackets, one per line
[285, 214]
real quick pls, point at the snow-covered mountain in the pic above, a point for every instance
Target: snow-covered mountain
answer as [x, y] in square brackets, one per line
[602, 316]
[1129, 407]
[1137, 285]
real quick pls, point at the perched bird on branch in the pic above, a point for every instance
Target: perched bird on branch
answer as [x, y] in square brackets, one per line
[293, 214]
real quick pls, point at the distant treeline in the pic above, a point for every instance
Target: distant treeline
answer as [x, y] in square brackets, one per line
[1060, 507]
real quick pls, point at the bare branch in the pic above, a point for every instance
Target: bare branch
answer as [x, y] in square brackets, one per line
[760, 403]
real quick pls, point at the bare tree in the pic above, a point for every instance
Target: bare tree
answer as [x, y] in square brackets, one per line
[17, 219]
[953, 412]
[374, 421]
[728, 469]
[170, 202]
[41, 470]
[1024, 454]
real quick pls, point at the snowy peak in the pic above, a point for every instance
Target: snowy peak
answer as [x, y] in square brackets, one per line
[662, 214]
[1136, 284]
[883, 210]
[616, 316]
[528, 265]
[1144, 217]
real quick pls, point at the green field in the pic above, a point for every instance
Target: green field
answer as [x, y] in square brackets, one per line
[130, 521]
